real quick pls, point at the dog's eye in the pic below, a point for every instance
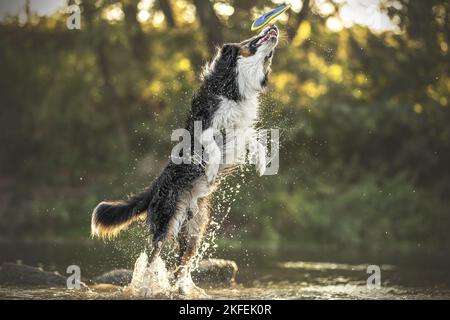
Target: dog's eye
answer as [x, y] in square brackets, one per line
[252, 47]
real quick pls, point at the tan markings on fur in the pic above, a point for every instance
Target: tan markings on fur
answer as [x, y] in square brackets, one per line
[192, 246]
[245, 52]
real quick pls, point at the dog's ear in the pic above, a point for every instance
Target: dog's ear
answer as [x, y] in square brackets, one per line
[228, 55]
[229, 49]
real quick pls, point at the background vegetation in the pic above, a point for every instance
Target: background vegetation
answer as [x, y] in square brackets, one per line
[86, 115]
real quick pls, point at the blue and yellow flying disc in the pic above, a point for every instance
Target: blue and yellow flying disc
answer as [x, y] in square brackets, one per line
[269, 16]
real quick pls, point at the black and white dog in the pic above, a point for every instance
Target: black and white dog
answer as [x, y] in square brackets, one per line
[176, 203]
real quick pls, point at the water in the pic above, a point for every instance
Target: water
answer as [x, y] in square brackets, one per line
[264, 273]
[149, 280]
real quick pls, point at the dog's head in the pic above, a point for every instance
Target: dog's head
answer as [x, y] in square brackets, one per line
[241, 69]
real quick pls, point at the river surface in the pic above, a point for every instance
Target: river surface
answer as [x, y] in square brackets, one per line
[264, 272]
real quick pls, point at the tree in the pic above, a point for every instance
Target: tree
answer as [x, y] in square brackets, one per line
[168, 12]
[211, 25]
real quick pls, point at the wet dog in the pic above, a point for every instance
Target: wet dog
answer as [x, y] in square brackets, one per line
[176, 203]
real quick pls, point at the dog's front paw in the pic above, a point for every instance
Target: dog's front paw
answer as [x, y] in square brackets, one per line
[211, 172]
[261, 164]
[213, 157]
[260, 159]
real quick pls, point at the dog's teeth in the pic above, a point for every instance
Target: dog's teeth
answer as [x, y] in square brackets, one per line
[266, 37]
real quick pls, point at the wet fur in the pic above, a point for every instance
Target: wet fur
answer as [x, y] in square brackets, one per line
[175, 203]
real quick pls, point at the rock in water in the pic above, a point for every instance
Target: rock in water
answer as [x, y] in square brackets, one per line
[210, 273]
[119, 277]
[23, 275]
[215, 273]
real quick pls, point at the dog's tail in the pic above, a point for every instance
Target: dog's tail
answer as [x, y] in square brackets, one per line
[109, 218]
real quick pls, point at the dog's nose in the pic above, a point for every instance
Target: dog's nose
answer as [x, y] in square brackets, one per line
[273, 27]
[269, 28]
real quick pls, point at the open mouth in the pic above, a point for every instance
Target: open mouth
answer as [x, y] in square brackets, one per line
[270, 34]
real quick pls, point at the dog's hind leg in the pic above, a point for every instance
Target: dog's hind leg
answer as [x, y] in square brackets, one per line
[189, 246]
[182, 274]
[157, 244]
[190, 239]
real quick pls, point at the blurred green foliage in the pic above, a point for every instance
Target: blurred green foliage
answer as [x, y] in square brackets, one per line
[364, 119]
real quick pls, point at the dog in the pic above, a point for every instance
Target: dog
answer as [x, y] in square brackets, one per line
[176, 203]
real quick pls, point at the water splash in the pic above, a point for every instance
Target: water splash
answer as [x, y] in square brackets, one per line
[150, 280]
[155, 281]
[228, 195]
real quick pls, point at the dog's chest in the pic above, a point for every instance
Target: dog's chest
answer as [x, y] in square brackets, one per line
[235, 115]
[236, 120]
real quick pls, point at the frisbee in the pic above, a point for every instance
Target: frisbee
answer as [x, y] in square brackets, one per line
[269, 16]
